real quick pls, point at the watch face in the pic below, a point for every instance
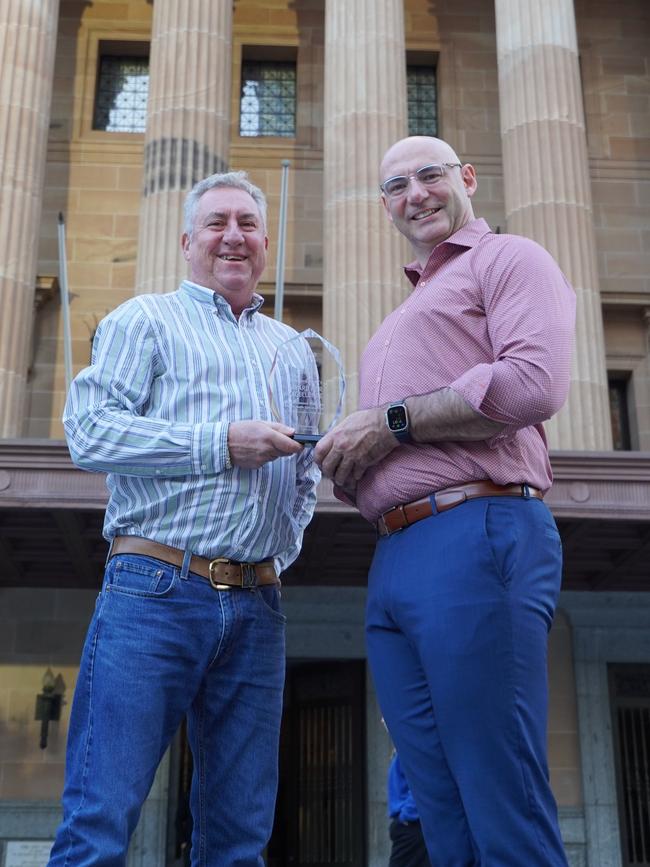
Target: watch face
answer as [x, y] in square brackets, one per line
[396, 418]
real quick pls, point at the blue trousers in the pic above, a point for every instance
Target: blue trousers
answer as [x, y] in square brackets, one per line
[458, 613]
[163, 644]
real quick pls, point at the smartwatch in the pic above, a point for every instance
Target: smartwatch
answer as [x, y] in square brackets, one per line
[397, 421]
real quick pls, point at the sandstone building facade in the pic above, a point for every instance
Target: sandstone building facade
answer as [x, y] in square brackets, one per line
[109, 111]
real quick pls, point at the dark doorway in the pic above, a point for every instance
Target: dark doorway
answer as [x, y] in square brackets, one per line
[320, 818]
[630, 700]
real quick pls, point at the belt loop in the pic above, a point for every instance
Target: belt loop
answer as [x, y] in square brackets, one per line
[432, 500]
[525, 491]
[185, 568]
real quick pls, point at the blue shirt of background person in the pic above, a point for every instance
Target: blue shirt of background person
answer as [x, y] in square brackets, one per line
[401, 805]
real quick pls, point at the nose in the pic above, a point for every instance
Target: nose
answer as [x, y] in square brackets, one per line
[416, 191]
[232, 233]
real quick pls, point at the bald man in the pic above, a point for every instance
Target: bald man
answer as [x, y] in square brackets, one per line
[447, 457]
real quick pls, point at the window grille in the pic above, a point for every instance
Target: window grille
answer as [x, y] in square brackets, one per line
[422, 101]
[268, 99]
[630, 689]
[122, 90]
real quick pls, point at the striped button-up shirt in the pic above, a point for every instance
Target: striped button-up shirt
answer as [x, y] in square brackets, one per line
[492, 317]
[168, 373]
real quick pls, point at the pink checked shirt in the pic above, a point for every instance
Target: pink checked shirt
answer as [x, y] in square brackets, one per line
[492, 317]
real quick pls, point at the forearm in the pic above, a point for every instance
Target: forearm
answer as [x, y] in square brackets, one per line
[363, 439]
[445, 415]
[104, 439]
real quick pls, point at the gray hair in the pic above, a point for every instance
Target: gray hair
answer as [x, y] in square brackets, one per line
[236, 180]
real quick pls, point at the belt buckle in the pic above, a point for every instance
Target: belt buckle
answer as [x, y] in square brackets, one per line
[399, 509]
[213, 582]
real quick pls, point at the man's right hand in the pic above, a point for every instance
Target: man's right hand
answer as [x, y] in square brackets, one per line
[253, 443]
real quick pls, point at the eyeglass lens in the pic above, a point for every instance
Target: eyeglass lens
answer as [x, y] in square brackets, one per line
[427, 175]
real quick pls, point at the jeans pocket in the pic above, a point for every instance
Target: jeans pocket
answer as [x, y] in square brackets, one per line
[137, 575]
[269, 597]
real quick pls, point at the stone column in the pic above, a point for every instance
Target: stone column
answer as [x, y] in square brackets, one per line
[27, 47]
[188, 127]
[547, 188]
[365, 112]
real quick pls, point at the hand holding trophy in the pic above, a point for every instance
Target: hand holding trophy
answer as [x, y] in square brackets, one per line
[307, 385]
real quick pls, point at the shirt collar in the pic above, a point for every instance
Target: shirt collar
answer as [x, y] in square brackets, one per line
[205, 295]
[468, 236]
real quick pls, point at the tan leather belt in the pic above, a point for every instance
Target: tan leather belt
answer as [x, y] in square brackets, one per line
[223, 574]
[403, 516]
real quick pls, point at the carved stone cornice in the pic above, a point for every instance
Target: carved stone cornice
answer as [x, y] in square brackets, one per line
[40, 473]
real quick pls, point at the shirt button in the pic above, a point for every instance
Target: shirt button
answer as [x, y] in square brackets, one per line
[378, 380]
[387, 343]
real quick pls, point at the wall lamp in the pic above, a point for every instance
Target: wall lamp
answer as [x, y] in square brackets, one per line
[48, 703]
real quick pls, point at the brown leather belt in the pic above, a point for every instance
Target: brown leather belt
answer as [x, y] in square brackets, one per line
[403, 516]
[223, 574]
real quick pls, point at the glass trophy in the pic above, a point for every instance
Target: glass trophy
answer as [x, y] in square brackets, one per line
[307, 385]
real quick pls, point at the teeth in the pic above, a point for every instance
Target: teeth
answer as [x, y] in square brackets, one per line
[422, 214]
[232, 258]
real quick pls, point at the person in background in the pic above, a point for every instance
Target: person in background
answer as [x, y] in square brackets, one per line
[408, 848]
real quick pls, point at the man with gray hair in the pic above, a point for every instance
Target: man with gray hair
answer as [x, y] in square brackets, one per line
[202, 518]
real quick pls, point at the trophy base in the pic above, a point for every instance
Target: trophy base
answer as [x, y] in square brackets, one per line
[307, 439]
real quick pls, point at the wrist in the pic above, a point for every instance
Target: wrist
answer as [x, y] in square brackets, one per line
[227, 457]
[398, 422]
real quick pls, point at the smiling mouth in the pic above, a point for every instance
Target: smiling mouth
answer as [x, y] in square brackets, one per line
[226, 257]
[422, 215]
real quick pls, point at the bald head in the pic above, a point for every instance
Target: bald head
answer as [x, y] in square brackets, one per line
[426, 207]
[440, 151]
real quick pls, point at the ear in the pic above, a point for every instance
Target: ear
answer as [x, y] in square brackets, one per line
[266, 242]
[185, 244]
[468, 174]
[384, 202]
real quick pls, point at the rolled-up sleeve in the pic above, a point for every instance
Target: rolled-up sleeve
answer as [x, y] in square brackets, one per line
[530, 314]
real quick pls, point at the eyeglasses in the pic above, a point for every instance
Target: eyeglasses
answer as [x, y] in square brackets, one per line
[428, 176]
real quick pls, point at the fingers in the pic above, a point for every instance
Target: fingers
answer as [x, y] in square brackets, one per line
[322, 448]
[359, 442]
[281, 428]
[344, 473]
[254, 443]
[284, 444]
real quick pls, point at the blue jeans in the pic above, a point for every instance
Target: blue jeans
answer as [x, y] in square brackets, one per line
[459, 608]
[163, 644]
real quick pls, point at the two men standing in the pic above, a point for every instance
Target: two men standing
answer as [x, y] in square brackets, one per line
[447, 457]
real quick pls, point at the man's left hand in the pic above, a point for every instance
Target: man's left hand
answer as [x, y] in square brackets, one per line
[359, 442]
